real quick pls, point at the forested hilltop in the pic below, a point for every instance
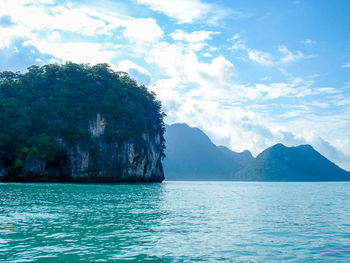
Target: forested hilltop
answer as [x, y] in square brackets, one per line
[78, 122]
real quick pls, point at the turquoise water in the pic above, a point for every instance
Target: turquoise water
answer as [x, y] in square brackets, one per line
[175, 222]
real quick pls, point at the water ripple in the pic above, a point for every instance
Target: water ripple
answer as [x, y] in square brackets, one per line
[175, 222]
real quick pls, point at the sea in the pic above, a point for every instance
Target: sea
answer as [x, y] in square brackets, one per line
[175, 222]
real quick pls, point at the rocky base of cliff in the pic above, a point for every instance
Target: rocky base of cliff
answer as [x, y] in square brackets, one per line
[136, 160]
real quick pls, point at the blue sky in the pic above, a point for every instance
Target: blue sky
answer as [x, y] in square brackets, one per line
[249, 73]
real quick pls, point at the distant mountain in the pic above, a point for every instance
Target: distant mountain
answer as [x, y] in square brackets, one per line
[190, 155]
[243, 158]
[301, 163]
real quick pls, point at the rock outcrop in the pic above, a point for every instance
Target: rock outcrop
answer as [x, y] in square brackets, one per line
[128, 161]
[79, 123]
[100, 160]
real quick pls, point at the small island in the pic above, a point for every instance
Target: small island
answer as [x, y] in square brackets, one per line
[79, 123]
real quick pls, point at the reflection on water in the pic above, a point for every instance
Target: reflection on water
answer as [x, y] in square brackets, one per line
[175, 222]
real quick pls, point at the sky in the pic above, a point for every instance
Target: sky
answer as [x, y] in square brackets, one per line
[249, 73]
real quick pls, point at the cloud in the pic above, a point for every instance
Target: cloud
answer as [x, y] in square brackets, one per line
[260, 57]
[191, 11]
[217, 78]
[195, 40]
[184, 11]
[195, 36]
[309, 42]
[329, 150]
[206, 54]
[78, 52]
[347, 65]
[140, 74]
[288, 56]
[34, 21]
[254, 55]
[214, 79]
[184, 67]
[142, 30]
[37, 17]
[265, 58]
[47, 27]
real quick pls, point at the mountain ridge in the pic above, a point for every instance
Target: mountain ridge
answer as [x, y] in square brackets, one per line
[296, 163]
[191, 155]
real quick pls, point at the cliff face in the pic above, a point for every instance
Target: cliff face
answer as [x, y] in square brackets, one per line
[79, 123]
[116, 162]
[100, 160]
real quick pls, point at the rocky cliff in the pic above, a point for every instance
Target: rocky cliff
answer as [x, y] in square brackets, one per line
[111, 133]
[100, 160]
[126, 161]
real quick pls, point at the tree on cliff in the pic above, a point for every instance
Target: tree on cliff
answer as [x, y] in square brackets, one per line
[53, 103]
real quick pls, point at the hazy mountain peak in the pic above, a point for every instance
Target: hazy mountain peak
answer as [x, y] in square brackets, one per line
[191, 155]
[297, 163]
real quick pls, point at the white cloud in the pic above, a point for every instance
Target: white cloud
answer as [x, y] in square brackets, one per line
[288, 56]
[36, 17]
[142, 29]
[265, 58]
[183, 66]
[214, 79]
[190, 11]
[328, 149]
[260, 57]
[31, 20]
[195, 36]
[347, 65]
[81, 52]
[170, 59]
[217, 79]
[308, 42]
[54, 36]
[239, 44]
[45, 27]
[185, 11]
[254, 55]
[195, 40]
[206, 54]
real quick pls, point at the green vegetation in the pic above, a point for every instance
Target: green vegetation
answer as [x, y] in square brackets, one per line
[51, 105]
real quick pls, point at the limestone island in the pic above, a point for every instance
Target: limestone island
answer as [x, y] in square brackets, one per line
[79, 123]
